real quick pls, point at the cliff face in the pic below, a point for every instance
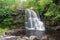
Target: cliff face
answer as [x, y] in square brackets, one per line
[19, 17]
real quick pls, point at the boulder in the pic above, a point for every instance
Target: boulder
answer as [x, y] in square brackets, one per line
[57, 28]
[26, 38]
[33, 38]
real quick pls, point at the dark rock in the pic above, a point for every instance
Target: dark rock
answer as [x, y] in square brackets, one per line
[58, 28]
[16, 32]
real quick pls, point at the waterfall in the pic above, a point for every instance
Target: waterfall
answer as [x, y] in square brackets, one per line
[32, 21]
[33, 24]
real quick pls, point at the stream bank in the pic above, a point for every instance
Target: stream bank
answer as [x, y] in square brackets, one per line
[12, 35]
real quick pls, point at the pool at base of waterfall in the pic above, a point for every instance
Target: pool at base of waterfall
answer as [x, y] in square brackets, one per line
[35, 29]
[35, 33]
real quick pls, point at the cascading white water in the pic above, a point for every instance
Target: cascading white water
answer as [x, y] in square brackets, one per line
[34, 26]
[33, 22]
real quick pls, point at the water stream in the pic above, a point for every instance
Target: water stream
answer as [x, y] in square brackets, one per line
[33, 24]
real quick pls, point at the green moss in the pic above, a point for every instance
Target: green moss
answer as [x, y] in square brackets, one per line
[3, 30]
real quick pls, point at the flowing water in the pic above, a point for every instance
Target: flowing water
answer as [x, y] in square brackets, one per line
[34, 25]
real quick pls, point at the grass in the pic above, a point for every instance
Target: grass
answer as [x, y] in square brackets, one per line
[3, 30]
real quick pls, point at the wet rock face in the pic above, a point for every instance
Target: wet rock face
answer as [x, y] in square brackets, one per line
[16, 32]
[19, 17]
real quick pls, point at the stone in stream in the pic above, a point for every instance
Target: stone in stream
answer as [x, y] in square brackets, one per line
[33, 38]
[44, 38]
[26, 38]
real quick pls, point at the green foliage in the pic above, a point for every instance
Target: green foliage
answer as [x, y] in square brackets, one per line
[2, 31]
[54, 13]
[7, 8]
[37, 4]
